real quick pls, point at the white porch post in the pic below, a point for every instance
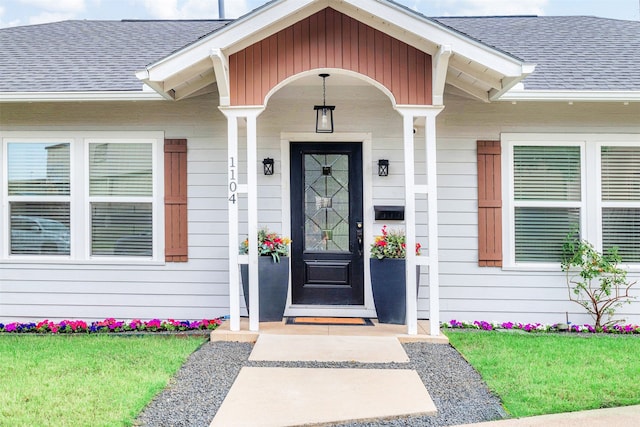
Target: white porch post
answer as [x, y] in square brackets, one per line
[234, 189]
[432, 203]
[232, 206]
[429, 113]
[252, 190]
[410, 223]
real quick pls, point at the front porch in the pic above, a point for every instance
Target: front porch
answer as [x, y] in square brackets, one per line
[224, 332]
[387, 85]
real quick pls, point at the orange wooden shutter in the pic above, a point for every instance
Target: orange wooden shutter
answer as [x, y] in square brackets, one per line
[175, 200]
[489, 204]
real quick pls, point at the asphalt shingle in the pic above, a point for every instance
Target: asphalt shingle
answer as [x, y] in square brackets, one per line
[74, 56]
[571, 53]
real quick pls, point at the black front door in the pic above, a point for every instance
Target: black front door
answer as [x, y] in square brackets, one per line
[326, 224]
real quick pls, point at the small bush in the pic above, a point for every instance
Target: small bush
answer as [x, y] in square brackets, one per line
[595, 280]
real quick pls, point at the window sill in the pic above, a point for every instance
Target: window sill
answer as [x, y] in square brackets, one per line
[556, 268]
[88, 262]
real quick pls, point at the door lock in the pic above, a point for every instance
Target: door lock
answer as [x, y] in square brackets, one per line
[359, 236]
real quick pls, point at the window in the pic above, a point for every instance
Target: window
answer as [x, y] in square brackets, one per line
[621, 200]
[121, 198]
[80, 197]
[547, 199]
[38, 193]
[556, 184]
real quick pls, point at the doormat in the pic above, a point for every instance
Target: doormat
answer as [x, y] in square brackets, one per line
[330, 321]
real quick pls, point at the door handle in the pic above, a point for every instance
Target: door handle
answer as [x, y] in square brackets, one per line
[359, 237]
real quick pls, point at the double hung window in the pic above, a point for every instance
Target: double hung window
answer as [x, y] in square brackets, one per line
[81, 198]
[121, 198]
[559, 184]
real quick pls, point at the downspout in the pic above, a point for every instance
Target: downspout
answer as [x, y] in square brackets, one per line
[220, 9]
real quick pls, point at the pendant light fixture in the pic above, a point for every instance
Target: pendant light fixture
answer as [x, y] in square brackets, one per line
[324, 112]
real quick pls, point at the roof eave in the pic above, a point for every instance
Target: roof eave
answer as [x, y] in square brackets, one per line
[518, 93]
[93, 96]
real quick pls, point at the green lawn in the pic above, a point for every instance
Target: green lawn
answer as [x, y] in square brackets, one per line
[86, 380]
[549, 373]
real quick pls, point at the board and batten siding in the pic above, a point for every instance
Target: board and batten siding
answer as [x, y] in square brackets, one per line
[199, 287]
[330, 39]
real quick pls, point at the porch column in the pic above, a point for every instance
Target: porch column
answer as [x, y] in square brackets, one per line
[410, 223]
[428, 115]
[234, 114]
[432, 203]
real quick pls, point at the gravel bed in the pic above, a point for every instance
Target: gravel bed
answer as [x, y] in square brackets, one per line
[197, 391]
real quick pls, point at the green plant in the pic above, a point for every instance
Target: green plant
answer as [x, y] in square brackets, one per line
[537, 374]
[391, 244]
[85, 380]
[269, 244]
[595, 280]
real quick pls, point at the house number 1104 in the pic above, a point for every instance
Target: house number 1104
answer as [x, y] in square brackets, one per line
[233, 185]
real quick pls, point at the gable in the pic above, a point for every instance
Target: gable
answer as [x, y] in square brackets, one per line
[330, 39]
[481, 71]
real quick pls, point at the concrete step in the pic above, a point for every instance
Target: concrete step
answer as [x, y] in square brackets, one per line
[329, 348]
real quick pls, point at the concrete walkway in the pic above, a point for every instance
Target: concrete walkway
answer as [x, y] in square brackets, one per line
[268, 396]
[279, 397]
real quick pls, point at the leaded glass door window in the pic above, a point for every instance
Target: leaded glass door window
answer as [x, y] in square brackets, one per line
[326, 202]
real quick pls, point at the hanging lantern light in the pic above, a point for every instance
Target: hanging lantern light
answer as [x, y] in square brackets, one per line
[324, 112]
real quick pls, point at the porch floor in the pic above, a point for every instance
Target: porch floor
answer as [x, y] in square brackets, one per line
[223, 333]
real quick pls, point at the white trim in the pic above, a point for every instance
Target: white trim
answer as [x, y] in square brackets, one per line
[518, 93]
[221, 70]
[252, 220]
[389, 18]
[333, 71]
[433, 227]
[232, 206]
[440, 64]
[78, 196]
[590, 205]
[224, 38]
[426, 29]
[156, 199]
[368, 309]
[410, 224]
[80, 96]
[429, 113]
[250, 114]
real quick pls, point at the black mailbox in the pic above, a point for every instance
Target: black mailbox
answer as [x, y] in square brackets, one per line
[389, 213]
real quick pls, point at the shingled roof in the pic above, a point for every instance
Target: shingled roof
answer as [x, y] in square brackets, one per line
[74, 56]
[571, 53]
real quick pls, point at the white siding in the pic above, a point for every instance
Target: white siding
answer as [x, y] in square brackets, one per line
[469, 292]
[199, 287]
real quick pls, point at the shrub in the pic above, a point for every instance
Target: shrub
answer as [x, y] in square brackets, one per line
[595, 280]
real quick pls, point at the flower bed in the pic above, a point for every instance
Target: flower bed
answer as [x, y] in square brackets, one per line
[110, 325]
[539, 327]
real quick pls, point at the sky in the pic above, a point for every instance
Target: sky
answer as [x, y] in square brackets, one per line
[28, 12]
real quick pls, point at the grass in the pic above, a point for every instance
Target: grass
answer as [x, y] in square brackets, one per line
[538, 374]
[88, 380]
